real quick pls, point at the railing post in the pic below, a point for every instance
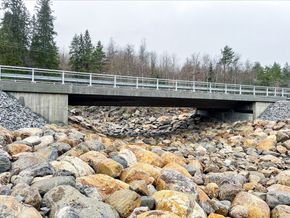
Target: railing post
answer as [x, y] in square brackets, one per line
[62, 77]
[115, 81]
[90, 79]
[210, 88]
[275, 92]
[226, 89]
[0, 72]
[193, 86]
[157, 84]
[267, 91]
[32, 75]
[254, 90]
[176, 85]
[137, 83]
[282, 92]
[240, 89]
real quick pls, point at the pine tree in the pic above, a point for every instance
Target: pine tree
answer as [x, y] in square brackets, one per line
[98, 58]
[75, 59]
[88, 51]
[44, 52]
[210, 77]
[14, 33]
[228, 59]
[82, 52]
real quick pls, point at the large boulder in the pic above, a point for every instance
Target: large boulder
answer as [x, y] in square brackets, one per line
[283, 178]
[84, 147]
[173, 180]
[178, 168]
[278, 194]
[16, 148]
[27, 132]
[74, 165]
[124, 201]
[140, 171]
[169, 157]
[27, 175]
[10, 207]
[5, 163]
[26, 160]
[128, 156]
[267, 144]
[67, 200]
[252, 206]
[105, 185]
[226, 177]
[281, 211]
[228, 191]
[108, 166]
[146, 156]
[44, 185]
[27, 194]
[179, 203]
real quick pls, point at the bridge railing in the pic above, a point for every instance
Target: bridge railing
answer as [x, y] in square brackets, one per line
[36, 75]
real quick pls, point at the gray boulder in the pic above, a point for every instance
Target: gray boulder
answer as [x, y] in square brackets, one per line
[70, 201]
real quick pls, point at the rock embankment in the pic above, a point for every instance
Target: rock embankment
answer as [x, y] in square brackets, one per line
[13, 115]
[279, 110]
[239, 170]
[132, 121]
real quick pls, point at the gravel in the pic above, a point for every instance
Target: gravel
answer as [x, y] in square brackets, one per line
[279, 110]
[13, 115]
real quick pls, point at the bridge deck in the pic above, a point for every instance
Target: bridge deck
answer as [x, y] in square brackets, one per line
[104, 89]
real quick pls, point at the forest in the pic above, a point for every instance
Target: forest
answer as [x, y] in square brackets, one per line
[30, 40]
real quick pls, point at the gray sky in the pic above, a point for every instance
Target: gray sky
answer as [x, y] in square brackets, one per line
[258, 30]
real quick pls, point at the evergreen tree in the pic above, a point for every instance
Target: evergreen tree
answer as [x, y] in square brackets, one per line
[228, 59]
[14, 33]
[275, 74]
[98, 58]
[88, 51]
[286, 75]
[82, 52]
[75, 59]
[210, 77]
[262, 75]
[44, 52]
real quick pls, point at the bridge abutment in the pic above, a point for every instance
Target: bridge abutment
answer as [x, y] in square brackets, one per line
[259, 108]
[53, 107]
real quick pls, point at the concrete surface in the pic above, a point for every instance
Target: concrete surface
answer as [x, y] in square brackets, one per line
[53, 107]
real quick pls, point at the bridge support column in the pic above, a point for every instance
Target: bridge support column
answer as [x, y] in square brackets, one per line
[53, 107]
[259, 108]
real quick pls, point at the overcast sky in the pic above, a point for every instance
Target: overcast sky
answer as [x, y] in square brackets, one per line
[259, 31]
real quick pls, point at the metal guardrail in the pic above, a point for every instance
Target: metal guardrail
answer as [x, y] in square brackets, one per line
[36, 75]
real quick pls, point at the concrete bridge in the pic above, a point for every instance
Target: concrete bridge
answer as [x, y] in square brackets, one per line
[49, 92]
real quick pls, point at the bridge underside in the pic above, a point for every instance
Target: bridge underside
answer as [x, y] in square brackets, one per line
[203, 104]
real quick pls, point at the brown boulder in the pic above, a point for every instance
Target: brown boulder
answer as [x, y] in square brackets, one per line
[254, 206]
[105, 184]
[124, 201]
[10, 207]
[17, 148]
[140, 171]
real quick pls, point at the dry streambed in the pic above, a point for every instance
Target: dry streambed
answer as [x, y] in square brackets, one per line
[239, 170]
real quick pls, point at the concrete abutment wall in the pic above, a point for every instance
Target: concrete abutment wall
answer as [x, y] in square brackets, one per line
[53, 107]
[259, 108]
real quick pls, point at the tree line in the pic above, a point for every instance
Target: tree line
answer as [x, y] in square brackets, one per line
[30, 41]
